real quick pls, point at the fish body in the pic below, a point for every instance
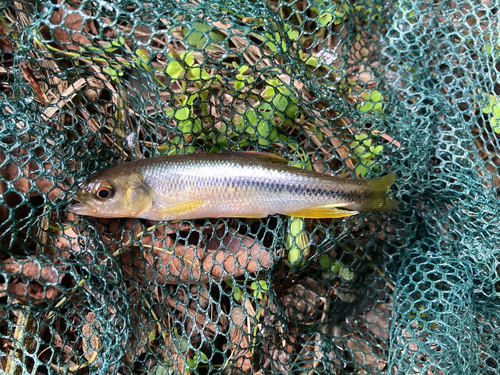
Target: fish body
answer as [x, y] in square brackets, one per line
[239, 184]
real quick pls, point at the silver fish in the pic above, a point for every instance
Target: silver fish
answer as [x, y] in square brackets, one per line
[238, 184]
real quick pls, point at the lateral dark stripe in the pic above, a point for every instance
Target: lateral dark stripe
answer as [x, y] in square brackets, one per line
[297, 189]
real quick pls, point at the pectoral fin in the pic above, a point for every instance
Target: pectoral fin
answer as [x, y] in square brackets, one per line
[322, 212]
[179, 208]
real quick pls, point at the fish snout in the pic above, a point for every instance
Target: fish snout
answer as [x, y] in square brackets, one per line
[79, 208]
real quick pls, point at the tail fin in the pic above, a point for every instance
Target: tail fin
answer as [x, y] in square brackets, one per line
[381, 184]
[379, 198]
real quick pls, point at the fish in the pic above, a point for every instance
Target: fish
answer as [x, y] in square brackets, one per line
[241, 184]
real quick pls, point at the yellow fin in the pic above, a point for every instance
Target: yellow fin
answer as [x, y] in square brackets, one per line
[180, 208]
[380, 199]
[321, 212]
[266, 156]
[381, 184]
[250, 216]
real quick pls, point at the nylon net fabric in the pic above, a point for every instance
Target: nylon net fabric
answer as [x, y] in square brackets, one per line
[353, 89]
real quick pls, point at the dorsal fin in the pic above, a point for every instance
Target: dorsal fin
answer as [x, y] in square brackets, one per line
[258, 155]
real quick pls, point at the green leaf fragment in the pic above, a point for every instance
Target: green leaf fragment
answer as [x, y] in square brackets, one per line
[274, 82]
[200, 26]
[496, 110]
[493, 107]
[367, 107]
[238, 85]
[191, 363]
[293, 34]
[188, 58]
[159, 370]
[204, 358]
[265, 107]
[312, 61]
[143, 55]
[272, 47]
[373, 102]
[324, 261]
[222, 141]
[250, 130]
[198, 126]
[325, 18]
[175, 69]
[273, 134]
[268, 93]
[291, 110]
[283, 89]
[186, 126]
[196, 74]
[259, 289]
[280, 102]
[182, 114]
[91, 48]
[263, 128]
[251, 116]
[192, 98]
[335, 268]
[376, 96]
[184, 344]
[189, 149]
[494, 125]
[297, 223]
[376, 150]
[294, 255]
[263, 285]
[217, 36]
[196, 39]
[238, 293]
[347, 273]
[378, 108]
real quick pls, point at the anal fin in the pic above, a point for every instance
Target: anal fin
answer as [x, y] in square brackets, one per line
[252, 216]
[322, 212]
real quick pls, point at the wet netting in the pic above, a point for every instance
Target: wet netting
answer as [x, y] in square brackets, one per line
[357, 89]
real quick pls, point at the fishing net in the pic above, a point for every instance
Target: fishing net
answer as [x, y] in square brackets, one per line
[352, 89]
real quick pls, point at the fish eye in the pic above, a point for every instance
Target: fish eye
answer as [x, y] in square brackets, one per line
[104, 192]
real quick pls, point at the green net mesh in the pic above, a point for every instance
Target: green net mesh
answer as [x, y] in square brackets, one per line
[353, 89]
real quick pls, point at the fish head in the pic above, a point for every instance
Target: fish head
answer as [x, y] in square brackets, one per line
[115, 192]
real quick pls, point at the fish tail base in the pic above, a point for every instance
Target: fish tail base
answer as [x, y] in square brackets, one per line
[379, 198]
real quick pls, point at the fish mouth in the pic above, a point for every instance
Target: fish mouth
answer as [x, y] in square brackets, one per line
[79, 209]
